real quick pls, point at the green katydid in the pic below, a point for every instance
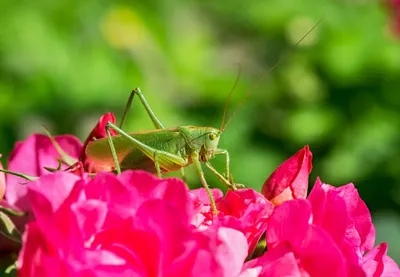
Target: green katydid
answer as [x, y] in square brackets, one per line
[166, 149]
[161, 150]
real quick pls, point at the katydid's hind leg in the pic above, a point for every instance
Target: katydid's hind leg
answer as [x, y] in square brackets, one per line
[157, 164]
[156, 122]
[112, 148]
[199, 170]
[183, 174]
[127, 108]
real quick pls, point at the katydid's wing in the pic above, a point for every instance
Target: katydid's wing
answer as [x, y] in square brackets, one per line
[99, 150]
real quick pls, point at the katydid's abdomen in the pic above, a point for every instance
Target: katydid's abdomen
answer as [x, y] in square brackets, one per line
[130, 157]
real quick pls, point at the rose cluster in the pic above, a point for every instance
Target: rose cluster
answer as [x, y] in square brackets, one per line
[135, 224]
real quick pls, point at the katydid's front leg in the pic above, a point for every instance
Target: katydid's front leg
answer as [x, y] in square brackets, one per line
[227, 161]
[160, 158]
[221, 177]
[197, 165]
[226, 178]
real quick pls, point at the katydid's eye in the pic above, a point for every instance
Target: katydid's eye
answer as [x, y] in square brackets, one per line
[213, 136]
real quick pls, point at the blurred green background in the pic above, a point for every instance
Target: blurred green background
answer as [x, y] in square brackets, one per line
[64, 63]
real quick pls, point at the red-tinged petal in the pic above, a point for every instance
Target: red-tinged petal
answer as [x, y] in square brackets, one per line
[30, 157]
[289, 223]
[376, 263]
[99, 131]
[290, 179]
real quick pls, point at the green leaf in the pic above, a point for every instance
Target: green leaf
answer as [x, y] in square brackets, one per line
[11, 212]
[8, 229]
[11, 271]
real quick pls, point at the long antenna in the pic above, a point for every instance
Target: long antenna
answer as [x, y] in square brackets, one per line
[229, 96]
[288, 53]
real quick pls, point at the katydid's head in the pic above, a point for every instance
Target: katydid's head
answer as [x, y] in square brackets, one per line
[202, 139]
[211, 140]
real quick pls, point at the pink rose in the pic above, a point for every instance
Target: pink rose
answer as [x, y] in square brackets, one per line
[133, 224]
[332, 230]
[30, 157]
